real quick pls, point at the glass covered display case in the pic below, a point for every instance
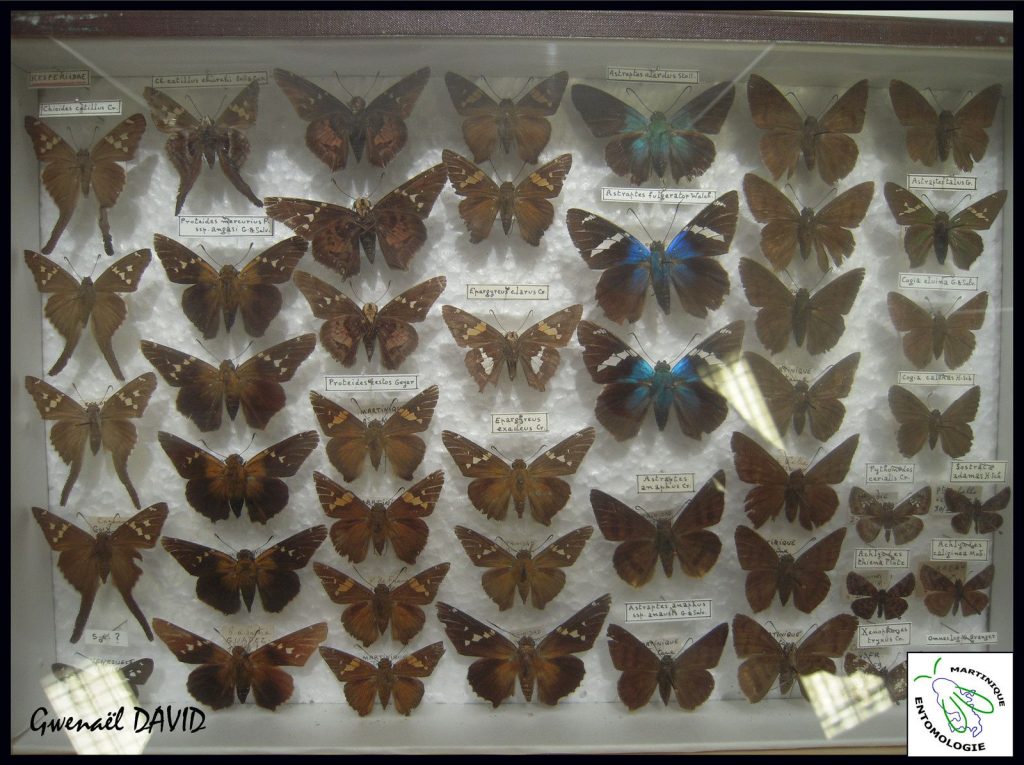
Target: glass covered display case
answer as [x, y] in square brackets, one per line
[722, 408]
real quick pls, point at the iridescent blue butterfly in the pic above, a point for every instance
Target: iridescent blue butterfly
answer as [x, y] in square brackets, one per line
[631, 267]
[660, 143]
[632, 384]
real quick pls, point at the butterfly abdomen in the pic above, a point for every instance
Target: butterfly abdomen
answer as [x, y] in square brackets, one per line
[662, 392]
[245, 576]
[944, 133]
[102, 553]
[507, 204]
[378, 527]
[805, 232]
[941, 233]
[794, 494]
[92, 414]
[801, 405]
[784, 577]
[663, 541]
[525, 655]
[381, 609]
[939, 331]
[809, 141]
[665, 678]
[656, 144]
[934, 424]
[375, 442]
[242, 666]
[503, 120]
[659, 275]
[801, 313]
[385, 681]
[228, 286]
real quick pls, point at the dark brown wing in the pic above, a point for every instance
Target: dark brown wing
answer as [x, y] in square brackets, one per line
[921, 120]
[345, 325]
[919, 219]
[774, 322]
[481, 198]
[491, 490]
[763, 657]
[760, 559]
[754, 465]
[489, 350]
[493, 676]
[968, 139]
[816, 652]
[532, 208]
[825, 411]
[139, 532]
[546, 492]
[835, 152]
[213, 683]
[258, 299]
[362, 679]
[638, 664]
[270, 686]
[536, 349]
[266, 495]
[117, 433]
[386, 114]
[958, 342]
[635, 558]
[107, 177]
[779, 395]
[397, 336]
[919, 325]
[347, 444]
[259, 388]
[912, 417]
[407, 618]
[400, 214]
[220, 581]
[71, 430]
[201, 393]
[984, 516]
[964, 243]
[780, 146]
[402, 447]
[695, 546]
[955, 433]
[367, 611]
[501, 580]
[830, 230]
[826, 309]
[77, 561]
[558, 673]
[818, 501]
[690, 677]
[208, 490]
[62, 176]
[331, 121]
[529, 128]
[810, 583]
[768, 205]
[66, 309]
[334, 231]
[543, 572]
[201, 302]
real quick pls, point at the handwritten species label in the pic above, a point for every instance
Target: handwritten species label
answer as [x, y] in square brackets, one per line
[250, 636]
[977, 472]
[665, 646]
[521, 422]
[951, 182]
[664, 483]
[881, 557]
[659, 196]
[783, 544]
[653, 74]
[80, 108]
[939, 496]
[960, 549]
[889, 472]
[787, 636]
[208, 80]
[935, 378]
[795, 373]
[912, 281]
[104, 637]
[363, 383]
[105, 522]
[225, 225]
[963, 638]
[890, 633]
[60, 78]
[507, 291]
[667, 610]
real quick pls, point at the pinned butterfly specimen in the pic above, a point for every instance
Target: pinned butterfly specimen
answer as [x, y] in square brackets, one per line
[768, 660]
[538, 576]
[72, 303]
[932, 137]
[255, 384]
[632, 385]
[534, 350]
[686, 673]
[350, 440]
[645, 542]
[933, 334]
[937, 232]
[217, 487]
[823, 142]
[496, 483]
[335, 127]
[825, 233]
[943, 593]
[345, 323]
[68, 171]
[193, 140]
[676, 144]
[135, 673]
[364, 680]
[396, 222]
[895, 678]
[984, 516]
[631, 268]
[225, 673]
[872, 602]
[817, 404]
[806, 495]
[106, 423]
[899, 521]
[548, 664]
[87, 561]
[522, 125]
[250, 290]
[368, 611]
[816, 318]
[526, 203]
[802, 577]
[918, 424]
[226, 581]
[399, 524]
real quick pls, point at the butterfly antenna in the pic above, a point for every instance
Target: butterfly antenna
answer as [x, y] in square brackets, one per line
[211, 449]
[339, 188]
[641, 346]
[965, 198]
[360, 408]
[791, 94]
[672, 222]
[208, 255]
[801, 548]
[829, 193]
[338, 78]
[495, 170]
[682, 92]
[360, 575]
[648, 233]
[230, 547]
[208, 353]
[499, 452]
[73, 269]
[247, 252]
[247, 446]
[372, 83]
[395, 577]
[496, 319]
[508, 545]
[491, 88]
[380, 180]
[634, 94]
[246, 348]
[523, 322]
[519, 172]
[198, 112]
[387, 289]
[537, 451]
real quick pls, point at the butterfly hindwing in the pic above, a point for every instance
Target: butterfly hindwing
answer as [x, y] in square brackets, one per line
[917, 424]
[967, 512]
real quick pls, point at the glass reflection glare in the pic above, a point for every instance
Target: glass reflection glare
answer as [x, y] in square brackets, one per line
[736, 383]
[843, 703]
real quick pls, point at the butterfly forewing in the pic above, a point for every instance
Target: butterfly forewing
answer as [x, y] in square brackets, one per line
[898, 521]
[73, 304]
[917, 424]
[87, 561]
[363, 681]
[932, 334]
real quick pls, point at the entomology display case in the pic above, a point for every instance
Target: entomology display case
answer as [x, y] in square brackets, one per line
[808, 219]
